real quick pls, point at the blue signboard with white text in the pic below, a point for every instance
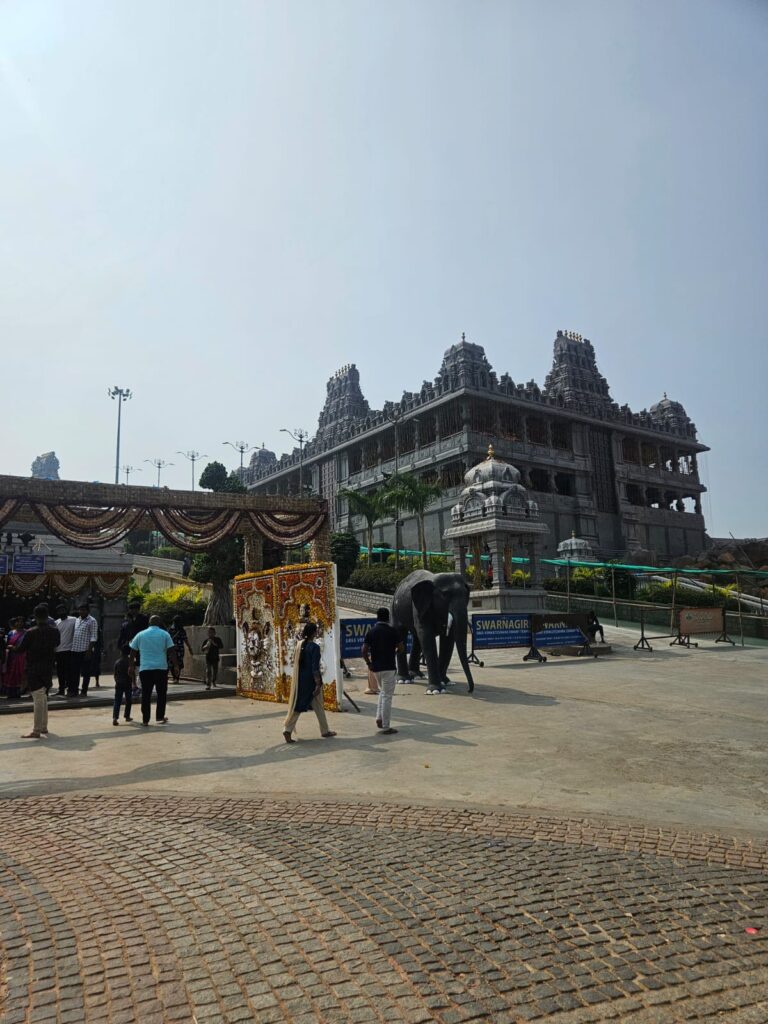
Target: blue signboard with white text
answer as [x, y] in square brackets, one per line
[28, 564]
[500, 629]
[3, 564]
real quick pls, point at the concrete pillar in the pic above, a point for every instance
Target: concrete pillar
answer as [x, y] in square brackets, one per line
[524, 425]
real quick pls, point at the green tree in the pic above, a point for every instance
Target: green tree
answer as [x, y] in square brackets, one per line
[345, 552]
[224, 561]
[406, 492]
[370, 506]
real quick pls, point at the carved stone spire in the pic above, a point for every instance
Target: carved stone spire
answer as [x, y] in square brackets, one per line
[574, 377]
[344, 401]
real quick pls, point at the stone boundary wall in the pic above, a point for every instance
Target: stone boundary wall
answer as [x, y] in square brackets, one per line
[361, 600]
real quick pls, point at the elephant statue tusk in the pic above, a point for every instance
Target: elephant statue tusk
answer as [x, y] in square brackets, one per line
[449, 624]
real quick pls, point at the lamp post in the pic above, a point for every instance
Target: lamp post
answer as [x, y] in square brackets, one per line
[300, 436]
[242, 447]
[122, 395]
[128, 470]
[159, 464]
[193, 456]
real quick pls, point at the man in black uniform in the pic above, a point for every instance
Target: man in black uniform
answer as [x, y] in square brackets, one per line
[379, 649]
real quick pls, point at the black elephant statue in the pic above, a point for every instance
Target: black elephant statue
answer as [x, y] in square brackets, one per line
[431, 605]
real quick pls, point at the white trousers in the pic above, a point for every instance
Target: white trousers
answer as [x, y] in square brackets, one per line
[386, 681]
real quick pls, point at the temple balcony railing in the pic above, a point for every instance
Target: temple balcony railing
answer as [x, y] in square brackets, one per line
[655, 475]
[665, 516]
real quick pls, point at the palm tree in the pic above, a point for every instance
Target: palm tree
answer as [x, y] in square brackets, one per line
[368, 505]
[407, 492]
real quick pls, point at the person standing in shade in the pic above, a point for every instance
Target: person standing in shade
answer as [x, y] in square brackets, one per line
[123, 685]
[153, 649]
[212, 646]
[307, 685]
[64, 659]
[180, 640]
[133, 623]
[379, 653]
[83, 645]
[39, 645]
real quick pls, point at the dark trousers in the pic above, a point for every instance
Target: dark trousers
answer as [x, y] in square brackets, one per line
[64, 670]
[123, 691]
[153, 678]
[91, 668]
[79, 660]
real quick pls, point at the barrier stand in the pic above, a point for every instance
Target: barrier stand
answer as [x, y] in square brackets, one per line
[683, 640]
[724, 638]
[534, 653]
[642, 644]
[741, 622]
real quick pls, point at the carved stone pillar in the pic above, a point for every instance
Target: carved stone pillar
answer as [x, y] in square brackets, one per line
[533, 562]
[524, 427]
[254, 551]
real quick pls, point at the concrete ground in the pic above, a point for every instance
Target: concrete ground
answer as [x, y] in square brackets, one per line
[672, 737]
[577, 842]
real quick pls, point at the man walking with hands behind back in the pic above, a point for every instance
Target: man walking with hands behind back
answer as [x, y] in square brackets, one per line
[155, 649]
[379, 649]
[39, 644]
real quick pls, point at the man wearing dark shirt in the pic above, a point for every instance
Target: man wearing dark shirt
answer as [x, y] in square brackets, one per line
[212, 646]
[39, 644]
[379, 650]
[135, 623]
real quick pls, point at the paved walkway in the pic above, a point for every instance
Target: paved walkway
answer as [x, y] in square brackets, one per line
[579, 841]
[155, 910]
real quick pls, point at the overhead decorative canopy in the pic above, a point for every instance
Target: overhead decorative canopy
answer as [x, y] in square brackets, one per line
[95, 516]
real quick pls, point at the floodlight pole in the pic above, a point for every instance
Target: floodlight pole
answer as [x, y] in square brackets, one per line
[122, 395]
[128, 470]
[242, 447]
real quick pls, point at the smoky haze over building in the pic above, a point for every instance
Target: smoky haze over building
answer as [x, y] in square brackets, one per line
[627, 482]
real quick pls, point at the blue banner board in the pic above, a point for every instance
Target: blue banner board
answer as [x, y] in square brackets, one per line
[353, 634]
[507, 629]
[3, 564]
[500, 629]
[28, 564]
[554, 636]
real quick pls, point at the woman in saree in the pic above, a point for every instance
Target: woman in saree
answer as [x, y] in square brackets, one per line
[14, 677]
[306, 685]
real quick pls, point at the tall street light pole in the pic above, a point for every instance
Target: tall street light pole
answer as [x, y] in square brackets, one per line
[300, 436]
[193, 456]
[122, 395]
[159, 464]
[242, 447]
[128, 470]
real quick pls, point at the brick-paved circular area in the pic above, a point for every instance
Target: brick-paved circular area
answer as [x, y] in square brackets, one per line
[157, 909]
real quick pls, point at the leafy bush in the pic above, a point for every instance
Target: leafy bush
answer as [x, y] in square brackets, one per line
[137, 591]
[187, 602]
[345, 551]
[380, 579]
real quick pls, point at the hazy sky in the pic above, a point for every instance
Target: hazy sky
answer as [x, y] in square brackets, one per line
[218, 204]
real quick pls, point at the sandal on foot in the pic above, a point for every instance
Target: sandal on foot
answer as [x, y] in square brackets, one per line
[288, 738]
[388, 732]
[327, 735]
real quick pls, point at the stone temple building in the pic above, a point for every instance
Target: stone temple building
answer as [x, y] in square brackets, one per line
[626, 482]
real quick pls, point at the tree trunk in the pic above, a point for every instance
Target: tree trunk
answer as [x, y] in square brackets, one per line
[219, 610]
[423, 540]
[370, 543]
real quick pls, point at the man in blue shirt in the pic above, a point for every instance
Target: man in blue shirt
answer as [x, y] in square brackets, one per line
[155, 649]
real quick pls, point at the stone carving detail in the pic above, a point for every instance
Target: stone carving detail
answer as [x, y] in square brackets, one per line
[46, 467]
[574, 378]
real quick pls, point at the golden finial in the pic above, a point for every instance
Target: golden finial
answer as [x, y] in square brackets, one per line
[491, 453]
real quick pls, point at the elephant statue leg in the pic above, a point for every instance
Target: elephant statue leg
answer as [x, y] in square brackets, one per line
[446, 652]
[414, 660]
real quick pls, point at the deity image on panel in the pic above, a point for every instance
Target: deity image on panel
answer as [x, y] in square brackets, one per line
[256, 641]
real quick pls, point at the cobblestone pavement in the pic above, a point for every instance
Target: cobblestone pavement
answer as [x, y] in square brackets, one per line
[155, 909]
